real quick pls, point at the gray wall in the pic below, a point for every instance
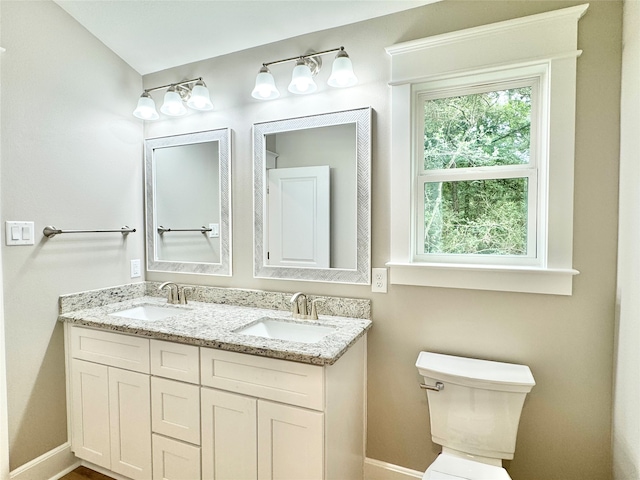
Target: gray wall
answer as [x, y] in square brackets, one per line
[567, 341]
[71, 157]
[90, 148]
[626, 418]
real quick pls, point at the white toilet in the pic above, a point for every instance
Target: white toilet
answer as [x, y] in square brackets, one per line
[475, 408]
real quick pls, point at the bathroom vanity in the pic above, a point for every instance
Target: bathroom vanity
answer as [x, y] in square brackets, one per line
[186, 396]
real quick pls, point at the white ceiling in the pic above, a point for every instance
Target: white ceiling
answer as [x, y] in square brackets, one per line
[153, 35]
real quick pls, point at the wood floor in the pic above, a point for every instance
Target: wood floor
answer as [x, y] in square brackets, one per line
[83, 473]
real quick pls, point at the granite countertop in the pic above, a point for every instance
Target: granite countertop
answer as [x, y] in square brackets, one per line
[214, 325]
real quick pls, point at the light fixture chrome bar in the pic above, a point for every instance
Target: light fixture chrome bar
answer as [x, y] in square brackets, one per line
[307, 55]
[51, 231]
[178, 84]
[203, 229]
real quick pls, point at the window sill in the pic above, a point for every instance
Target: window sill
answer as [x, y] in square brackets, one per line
[550, 281]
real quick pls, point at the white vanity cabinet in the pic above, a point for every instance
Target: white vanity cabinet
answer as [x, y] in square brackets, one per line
[110, 409]
[151, 409]
[292, 420]
[249, 438]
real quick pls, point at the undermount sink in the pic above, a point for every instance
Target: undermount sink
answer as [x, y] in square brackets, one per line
[282, 329]
[148, 312]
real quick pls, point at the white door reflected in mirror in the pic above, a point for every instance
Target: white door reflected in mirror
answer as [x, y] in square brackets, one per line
[299, 217]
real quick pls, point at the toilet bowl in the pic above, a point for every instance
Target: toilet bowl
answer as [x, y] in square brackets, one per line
[475, 408]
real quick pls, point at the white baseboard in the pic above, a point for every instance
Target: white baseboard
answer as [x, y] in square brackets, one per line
[58, 462]
[51, 465]
[377, 470]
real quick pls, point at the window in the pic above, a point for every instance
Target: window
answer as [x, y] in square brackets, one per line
[476, 173]
[482, 146]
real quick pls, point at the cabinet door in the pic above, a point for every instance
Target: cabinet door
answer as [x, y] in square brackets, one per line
[130, 420]
[290, 443]
[174, 460]
[90, 412]
[229, 436]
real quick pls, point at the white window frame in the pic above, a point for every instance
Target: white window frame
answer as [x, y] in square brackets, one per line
[534, 77]
[542, 46]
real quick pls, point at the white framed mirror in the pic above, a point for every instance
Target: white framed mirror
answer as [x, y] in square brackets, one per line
[312, 197]
[188, 203]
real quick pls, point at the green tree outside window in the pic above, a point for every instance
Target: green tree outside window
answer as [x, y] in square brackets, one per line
[483, 216]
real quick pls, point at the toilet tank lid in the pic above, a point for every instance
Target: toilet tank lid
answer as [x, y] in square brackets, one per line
[472, 371]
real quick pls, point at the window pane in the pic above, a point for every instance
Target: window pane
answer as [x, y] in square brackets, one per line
[485, 217]
[478, 130]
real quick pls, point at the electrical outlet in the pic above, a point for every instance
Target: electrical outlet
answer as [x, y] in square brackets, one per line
[135, 268]
[379, 280]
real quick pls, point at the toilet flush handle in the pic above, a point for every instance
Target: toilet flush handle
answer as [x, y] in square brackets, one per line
[437, 387]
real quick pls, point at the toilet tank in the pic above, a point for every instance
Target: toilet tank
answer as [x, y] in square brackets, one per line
[477, 411]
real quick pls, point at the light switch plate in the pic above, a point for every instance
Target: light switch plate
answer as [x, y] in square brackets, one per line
[19, 233]
[215, 230]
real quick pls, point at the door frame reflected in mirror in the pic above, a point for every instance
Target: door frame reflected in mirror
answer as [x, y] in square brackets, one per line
[361, 273]
[156, 264]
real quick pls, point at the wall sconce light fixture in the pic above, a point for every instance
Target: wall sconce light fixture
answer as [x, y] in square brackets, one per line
[194, 92]
[307, 66]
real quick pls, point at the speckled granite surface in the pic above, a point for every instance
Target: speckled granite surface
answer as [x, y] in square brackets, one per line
[215, 324]
[98, 298]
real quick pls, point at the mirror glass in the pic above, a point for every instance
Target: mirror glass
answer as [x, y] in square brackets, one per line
[188, 203]
[312, 197]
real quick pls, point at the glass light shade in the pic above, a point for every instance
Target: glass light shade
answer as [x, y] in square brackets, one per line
[302, 79]
[199, 99]
[173, 105]
[146, 109]
[342, 72]
[265, 88]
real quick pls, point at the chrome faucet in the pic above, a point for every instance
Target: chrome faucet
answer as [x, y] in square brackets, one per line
[172, 293]
[175, 293]
[299, 308]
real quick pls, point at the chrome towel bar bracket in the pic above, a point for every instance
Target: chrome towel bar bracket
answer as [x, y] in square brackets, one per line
[51, 231]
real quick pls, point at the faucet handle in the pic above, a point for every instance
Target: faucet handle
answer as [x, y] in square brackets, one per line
[314, 312]
[182, 294]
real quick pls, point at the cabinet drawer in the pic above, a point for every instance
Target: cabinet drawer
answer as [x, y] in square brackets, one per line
[107, 348]
[175, 409]
[280, 380]
[175, 360]
[174, 460]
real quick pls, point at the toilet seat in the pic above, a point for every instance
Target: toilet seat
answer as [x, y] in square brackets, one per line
[451, 467]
